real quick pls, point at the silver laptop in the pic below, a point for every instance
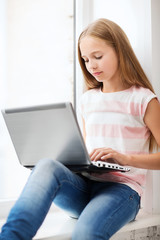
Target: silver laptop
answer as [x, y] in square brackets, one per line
[51, 131]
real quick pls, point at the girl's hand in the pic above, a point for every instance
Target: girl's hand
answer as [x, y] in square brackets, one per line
[106, 154]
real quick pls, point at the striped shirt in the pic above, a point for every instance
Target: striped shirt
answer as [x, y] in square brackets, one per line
[115, 120]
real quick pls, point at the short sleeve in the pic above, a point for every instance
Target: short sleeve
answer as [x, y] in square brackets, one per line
[146, 99]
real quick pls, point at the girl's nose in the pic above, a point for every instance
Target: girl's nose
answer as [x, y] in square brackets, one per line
[92, 65]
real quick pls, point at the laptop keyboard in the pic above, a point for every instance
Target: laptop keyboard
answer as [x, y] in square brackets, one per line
[102, 164]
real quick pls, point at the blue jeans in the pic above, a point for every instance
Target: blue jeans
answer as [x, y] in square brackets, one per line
[102, 208]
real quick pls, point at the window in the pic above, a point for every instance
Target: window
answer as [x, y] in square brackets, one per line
[37, 48]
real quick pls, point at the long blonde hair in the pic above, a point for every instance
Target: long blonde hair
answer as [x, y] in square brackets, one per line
[130, 70]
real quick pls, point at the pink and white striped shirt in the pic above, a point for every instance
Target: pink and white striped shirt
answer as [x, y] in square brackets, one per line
[115, 120]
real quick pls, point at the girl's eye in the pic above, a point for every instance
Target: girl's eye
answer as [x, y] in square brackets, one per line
[98, 57]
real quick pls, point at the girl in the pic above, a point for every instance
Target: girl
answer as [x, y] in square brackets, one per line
[121, 121]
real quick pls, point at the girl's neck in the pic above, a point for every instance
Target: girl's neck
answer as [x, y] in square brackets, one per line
[110, 88]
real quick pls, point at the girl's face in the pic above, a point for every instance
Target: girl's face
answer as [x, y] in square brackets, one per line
[100, 59]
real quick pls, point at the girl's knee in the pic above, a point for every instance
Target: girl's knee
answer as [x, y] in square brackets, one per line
[46, 167]
[47, 164]
[50, 168]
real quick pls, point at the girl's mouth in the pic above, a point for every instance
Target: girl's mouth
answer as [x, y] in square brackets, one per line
[96, 73]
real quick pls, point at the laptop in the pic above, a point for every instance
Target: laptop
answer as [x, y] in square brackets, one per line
[51, 131]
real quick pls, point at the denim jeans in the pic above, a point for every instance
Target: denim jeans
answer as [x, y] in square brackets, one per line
[102, 208]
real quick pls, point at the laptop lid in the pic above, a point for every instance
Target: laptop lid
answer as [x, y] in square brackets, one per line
[48, 131]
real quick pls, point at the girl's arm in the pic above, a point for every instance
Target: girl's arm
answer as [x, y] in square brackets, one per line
[146, 161]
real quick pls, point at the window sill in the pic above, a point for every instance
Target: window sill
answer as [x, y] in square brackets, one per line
[59, 226]
[146, 225]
